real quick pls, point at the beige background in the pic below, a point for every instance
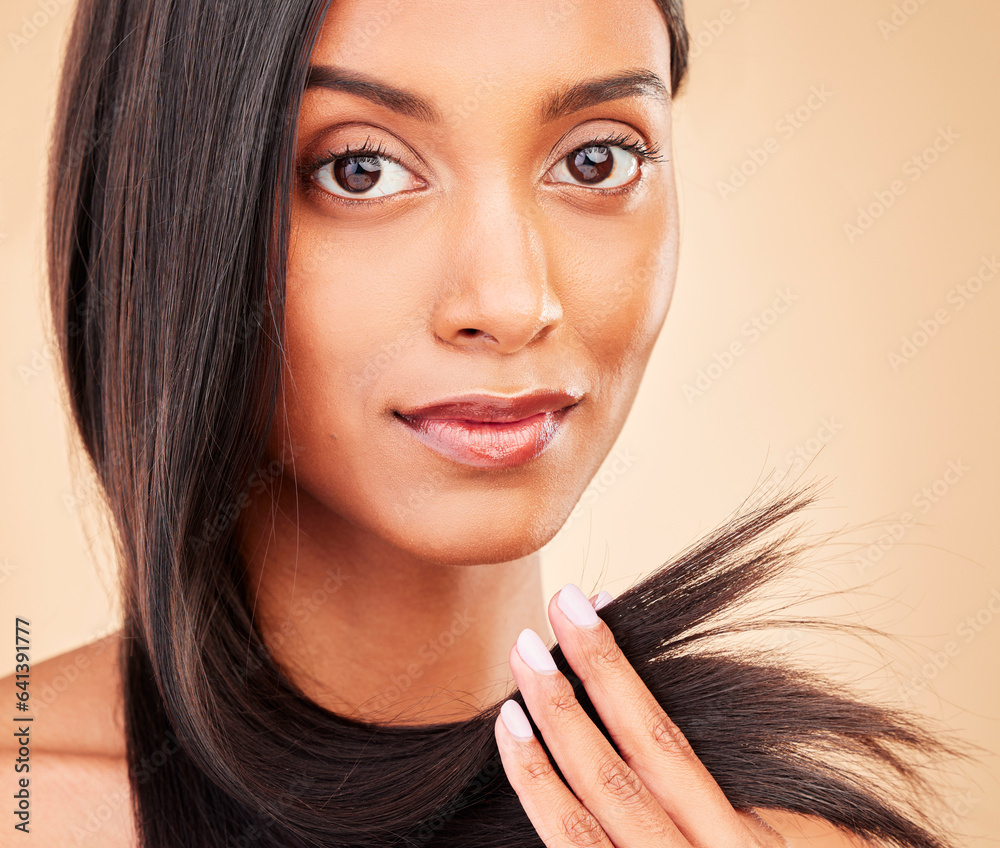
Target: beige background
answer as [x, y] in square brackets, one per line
[887, 79]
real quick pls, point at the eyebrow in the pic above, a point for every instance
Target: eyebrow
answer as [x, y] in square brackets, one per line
[638, 82]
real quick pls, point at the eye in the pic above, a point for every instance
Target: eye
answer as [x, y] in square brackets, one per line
[608, 163]
[369, 174]
[360, 175]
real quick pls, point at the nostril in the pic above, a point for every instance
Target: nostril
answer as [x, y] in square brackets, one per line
[470, 332]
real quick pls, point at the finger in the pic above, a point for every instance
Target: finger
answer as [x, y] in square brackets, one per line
[649, 742]
[600, 599]
[556, 813]
[611, 790]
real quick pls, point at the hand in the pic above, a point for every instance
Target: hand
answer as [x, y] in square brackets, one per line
[657, 794]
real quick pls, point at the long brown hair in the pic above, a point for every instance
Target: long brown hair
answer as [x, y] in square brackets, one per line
[170, 172]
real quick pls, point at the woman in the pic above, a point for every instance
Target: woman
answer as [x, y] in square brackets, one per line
[352, 304]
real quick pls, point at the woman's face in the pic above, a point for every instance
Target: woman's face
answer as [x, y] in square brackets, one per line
[480, 248]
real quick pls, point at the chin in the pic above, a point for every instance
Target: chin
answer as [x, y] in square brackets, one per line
[462, 534]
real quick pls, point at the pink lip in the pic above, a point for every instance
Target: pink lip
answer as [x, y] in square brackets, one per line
[490, 431]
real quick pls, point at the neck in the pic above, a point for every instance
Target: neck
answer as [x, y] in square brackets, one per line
[367, 630]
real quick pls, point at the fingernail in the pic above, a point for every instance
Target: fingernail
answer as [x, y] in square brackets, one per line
[533, 651]
[576, 606]
[603, 599]
[515, 720]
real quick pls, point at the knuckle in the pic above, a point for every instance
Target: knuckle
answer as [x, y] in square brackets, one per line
[562, 700]
[605, 654]
[581, 828]
[667, 736]
[620, 782]
[537, 771]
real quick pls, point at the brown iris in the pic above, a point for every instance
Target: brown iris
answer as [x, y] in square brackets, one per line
[357, 173]
[591, 164]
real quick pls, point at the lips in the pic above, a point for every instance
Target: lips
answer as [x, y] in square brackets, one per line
[490, 431]
[494, 408]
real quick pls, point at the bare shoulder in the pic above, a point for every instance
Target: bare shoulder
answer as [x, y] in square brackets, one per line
[75, 701]
[801, 831]
[69, 758]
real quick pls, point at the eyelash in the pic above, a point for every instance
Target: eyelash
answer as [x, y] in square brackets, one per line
[645, 153]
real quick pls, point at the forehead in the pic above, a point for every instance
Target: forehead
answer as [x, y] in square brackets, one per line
[450, 49]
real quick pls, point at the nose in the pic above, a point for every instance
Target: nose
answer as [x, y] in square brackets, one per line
[497, 295]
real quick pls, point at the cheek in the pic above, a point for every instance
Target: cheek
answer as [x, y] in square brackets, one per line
[345, 322]
[340, 337]
[618, 314]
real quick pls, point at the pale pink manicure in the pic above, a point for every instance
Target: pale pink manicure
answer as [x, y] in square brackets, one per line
[603, 599]
[533, 651]
[576, 606]
[515, 720]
